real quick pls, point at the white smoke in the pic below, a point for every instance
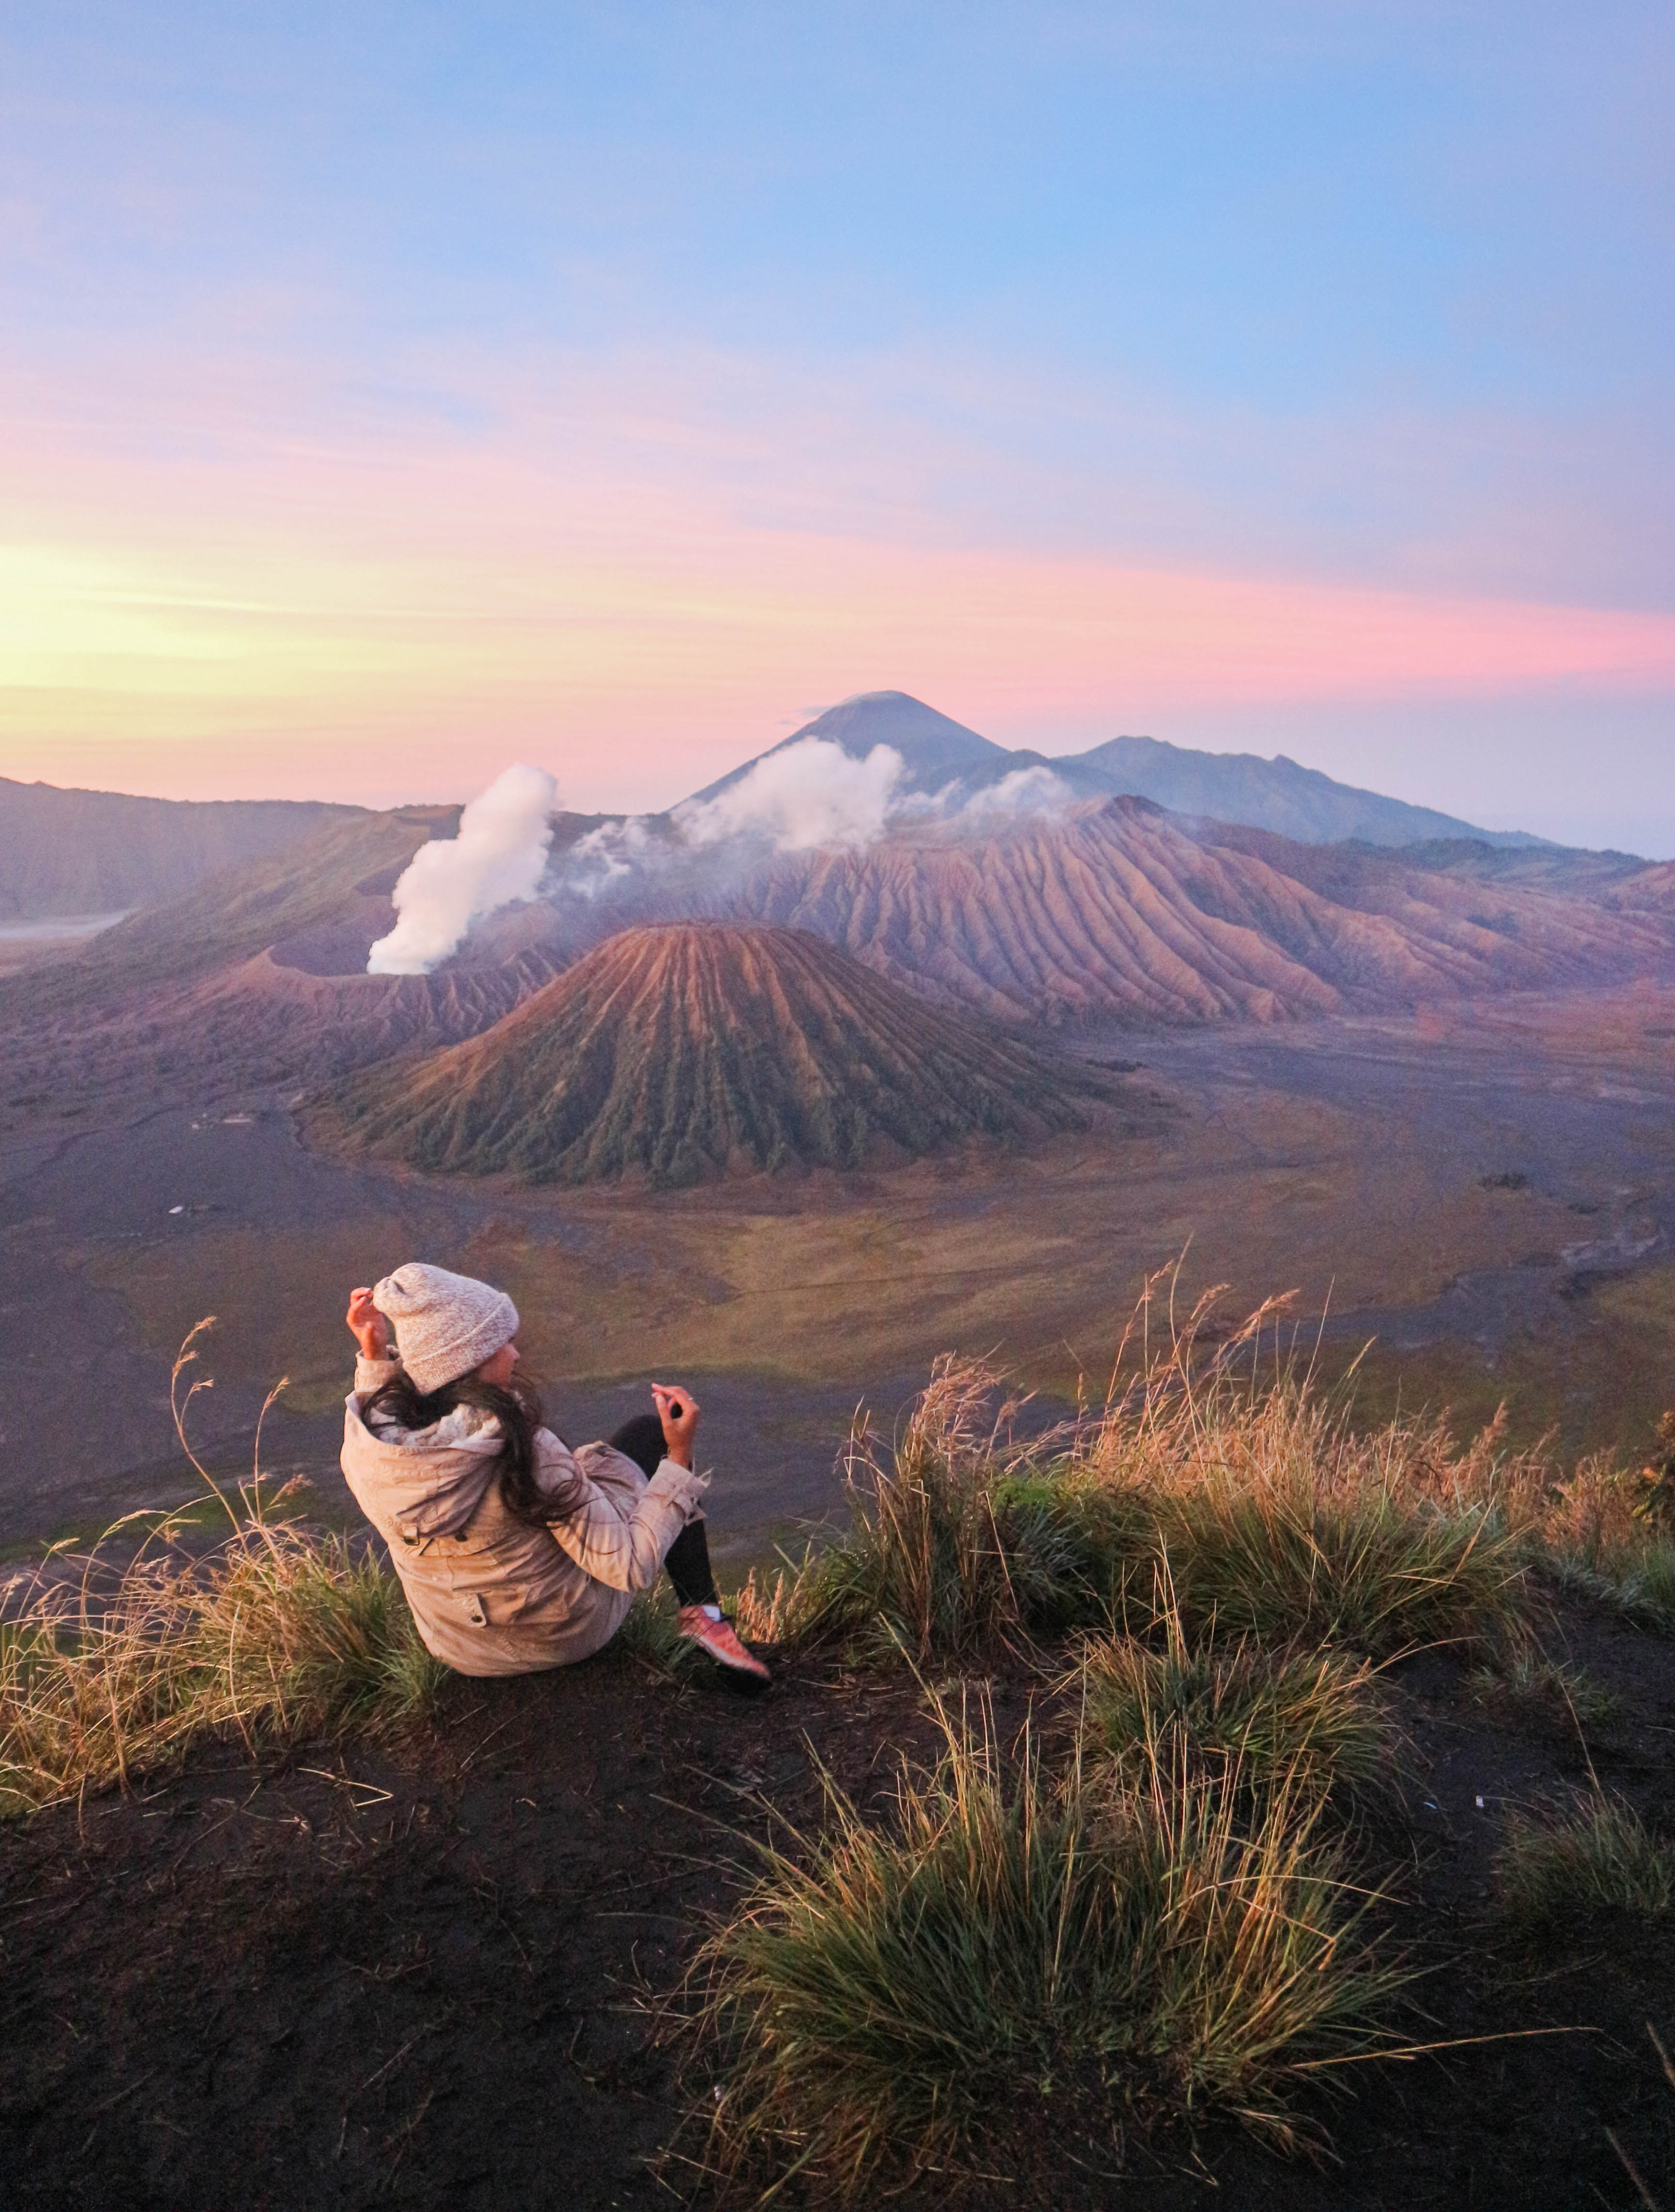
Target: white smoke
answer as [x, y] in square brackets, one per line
[1024, 790]
[957, 808]
[689, 861]
[809, 794]
[607, 855]
[497, 857]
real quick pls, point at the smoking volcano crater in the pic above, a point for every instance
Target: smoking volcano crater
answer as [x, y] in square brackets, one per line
[678, 1054]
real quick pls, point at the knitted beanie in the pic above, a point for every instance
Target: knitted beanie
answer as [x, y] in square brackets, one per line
[445, 1324]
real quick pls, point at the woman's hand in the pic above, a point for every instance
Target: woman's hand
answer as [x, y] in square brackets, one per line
[678, 1410]
[370, 1330]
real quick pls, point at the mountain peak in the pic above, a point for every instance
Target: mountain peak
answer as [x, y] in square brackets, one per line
[1281, 795]
[1278, 795]
[934, 748]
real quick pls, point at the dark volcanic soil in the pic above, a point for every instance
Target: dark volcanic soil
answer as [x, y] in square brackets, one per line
[421, 1978]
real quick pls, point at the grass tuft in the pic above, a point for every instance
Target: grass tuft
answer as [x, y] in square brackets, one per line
[888, 2000]
[1593, 1855]
[1526, 1678]
[649, 1633]
[273, 1635]
[953, 1552]
[1252, 1495]
[1373, 1570]
[1301, 1721]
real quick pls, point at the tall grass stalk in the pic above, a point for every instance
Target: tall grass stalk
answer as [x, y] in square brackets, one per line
[1004, 1947]
[1276, 1518]
[1279, 1518]
[953, 1550]
[275, 1633]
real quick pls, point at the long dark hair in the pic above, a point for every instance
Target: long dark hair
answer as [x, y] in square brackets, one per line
[515, 1405]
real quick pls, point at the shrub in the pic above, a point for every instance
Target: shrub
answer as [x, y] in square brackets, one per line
[1279, 1519]
[316, 1638]
[960, 1543]
[1373, 1570]
[1637, 1582]
[1649, 1585]
[1589, 1856]
[887, 2000]
[1525, 1677]
[277, 1636]
[805, 1598]
[1600, 1531]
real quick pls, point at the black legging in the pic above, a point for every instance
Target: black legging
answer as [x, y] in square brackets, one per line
[688, 1557]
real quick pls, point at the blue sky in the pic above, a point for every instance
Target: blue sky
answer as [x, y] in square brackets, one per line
[586, 312]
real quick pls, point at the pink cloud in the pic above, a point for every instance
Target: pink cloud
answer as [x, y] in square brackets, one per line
[234, 597]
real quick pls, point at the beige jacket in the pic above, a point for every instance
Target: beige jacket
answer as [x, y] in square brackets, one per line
[500, 1597]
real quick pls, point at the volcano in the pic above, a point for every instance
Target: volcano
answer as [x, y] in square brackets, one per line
[682, 1054]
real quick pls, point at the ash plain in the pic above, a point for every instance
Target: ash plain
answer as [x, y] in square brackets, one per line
[1486, 1195]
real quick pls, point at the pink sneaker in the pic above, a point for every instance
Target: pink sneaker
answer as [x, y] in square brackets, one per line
[717, 1639]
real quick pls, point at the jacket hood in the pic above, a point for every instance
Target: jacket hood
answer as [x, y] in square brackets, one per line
[433, 1485]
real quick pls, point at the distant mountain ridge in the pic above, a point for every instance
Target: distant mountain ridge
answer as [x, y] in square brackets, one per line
[65, 852]
[70, 852]
[1277, 794]
[335, 868]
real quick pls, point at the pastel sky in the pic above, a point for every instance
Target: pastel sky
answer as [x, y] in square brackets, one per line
[389, 392]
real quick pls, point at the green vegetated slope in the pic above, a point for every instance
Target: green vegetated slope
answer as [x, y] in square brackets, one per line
[682, 1053]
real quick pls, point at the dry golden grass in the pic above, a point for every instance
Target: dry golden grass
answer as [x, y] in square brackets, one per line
[274, 1634]
[1299, 1720]
[1162, 1915]
[1215, 1470]
[919, 1994]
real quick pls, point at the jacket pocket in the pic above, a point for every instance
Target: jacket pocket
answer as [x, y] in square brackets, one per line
[493, 1608]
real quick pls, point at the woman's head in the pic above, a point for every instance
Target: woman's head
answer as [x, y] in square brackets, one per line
[454, 1335]
[448, 1326]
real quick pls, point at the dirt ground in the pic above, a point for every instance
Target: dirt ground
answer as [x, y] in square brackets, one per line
[426, 1976]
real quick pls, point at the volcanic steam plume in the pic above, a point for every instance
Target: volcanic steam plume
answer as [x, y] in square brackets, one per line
[497, 857]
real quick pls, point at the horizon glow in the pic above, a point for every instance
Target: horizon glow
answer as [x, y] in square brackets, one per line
[389, 396]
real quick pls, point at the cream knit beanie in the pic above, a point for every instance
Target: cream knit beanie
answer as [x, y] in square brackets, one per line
[445, 1324]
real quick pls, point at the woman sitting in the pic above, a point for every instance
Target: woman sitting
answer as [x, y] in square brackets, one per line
[516, 1552]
